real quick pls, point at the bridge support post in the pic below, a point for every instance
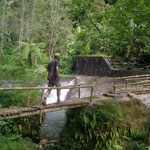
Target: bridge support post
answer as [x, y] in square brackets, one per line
[91, 93]
[41, 97]
[29, 96]
[114, 85]
[142, 88]
[126, 87]
[41, 117]
[79, 93]
[41, 105]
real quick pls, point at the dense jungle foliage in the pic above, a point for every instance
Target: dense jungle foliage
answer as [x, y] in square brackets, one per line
[31, 31]
[19, 133]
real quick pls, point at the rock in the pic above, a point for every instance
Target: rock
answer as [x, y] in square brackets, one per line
[115, 95]
[41, 69]
[123, 99]
[109, 95]
[43, 143]
[131, 95]
[93, 104]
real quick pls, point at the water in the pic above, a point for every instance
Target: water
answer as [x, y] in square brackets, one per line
[53, 96]
[54, 121]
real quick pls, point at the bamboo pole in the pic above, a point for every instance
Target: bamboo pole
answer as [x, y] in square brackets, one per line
[130, 77]
[138, 79]
[137, 83]
[144, 81]
[142, 89]
[41, 98]
[79, 94]
[91, 93]
[126, 86]
[41, 117]
[29, 96]
[44, 88]
[114, 85]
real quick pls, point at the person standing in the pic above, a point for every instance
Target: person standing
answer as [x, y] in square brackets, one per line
[53, 77]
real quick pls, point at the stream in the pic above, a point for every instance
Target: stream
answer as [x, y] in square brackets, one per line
[54, 121]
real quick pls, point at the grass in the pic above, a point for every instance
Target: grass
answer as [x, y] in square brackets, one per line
[67, 75]
[88, 98]
[20, 144]
[98, 54]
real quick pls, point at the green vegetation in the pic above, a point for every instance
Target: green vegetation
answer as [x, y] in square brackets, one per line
[19, 144]
[107, 126]
[32, 31]
[17, 98]
[13, 131]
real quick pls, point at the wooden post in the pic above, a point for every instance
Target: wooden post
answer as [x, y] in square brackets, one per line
[41, 98]
[142, 88]
[41, 105]
[114, 85]
[29, 96]
[41, 117]
[79, 94]
[91, 93]
[126, 87]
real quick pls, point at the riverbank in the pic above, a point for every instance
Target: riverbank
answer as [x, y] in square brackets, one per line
[131, 114]
[108, 125]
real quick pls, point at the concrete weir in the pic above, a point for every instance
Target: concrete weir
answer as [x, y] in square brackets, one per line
[92, 66]
[101, 66]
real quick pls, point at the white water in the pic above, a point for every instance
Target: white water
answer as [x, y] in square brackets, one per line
[52, 98]
[54, 121]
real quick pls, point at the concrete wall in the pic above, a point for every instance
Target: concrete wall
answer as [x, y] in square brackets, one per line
[92, 66]
[99, 66]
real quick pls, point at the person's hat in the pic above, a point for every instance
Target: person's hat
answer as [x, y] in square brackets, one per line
[57, 55]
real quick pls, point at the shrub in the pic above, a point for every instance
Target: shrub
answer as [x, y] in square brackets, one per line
[19, 144]
[104, 127]
[66, 64]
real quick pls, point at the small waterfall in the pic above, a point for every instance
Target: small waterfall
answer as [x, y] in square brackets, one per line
[53, 96]
[54, 121]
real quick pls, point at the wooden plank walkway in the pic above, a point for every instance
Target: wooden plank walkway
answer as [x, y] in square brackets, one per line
[10, 113]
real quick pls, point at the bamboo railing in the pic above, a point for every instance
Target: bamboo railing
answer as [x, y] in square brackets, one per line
[79, 87]
[132, 81]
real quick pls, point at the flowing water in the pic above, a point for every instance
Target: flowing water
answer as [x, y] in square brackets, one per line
[54, 121]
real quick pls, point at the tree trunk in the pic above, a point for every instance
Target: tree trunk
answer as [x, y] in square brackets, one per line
[32, 19]
[2, 31]
[35, 59]
[27, 28]
[54, 30]
[21, 24]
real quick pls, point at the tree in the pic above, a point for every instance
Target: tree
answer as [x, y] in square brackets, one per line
[87, 15]
[2, 28]
[128, 32]
[30, 52]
